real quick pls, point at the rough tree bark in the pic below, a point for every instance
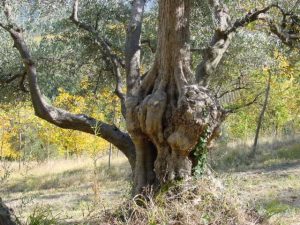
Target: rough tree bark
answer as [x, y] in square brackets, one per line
[169, 109]
[168, 113]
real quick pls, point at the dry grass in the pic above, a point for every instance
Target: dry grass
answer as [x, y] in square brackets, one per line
[235, 156]
[275, 193]
[67, 187]
[195, 202]
[270, 182]
[66, 192]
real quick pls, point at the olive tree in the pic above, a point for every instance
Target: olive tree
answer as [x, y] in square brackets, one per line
[171, 109]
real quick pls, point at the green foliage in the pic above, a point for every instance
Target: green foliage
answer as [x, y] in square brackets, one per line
[282, 114]
[67, 55]
[25, 137]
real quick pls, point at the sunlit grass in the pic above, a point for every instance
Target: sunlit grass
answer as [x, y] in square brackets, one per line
[68, 187]
[237, 158]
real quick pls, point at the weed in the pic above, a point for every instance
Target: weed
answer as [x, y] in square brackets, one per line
[5, 171]
[275, 207]
[42, 215]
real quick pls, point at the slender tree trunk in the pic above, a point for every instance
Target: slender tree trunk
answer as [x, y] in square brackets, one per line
[168, 115]
[20, 150]
[95, 178]
[48, 151]
[66, 153]
[2, 144]
[110, 144]
[109, 155]
[261, 116]
[22, 147]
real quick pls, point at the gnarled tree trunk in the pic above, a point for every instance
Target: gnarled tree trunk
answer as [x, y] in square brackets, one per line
[167, 114]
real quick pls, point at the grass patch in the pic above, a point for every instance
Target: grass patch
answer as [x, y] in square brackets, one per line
[276, 207]
[66, 174]
[42, 215]
[279, 213]
[290, 153]
[237, 159]
[67, 186]
[48, 181]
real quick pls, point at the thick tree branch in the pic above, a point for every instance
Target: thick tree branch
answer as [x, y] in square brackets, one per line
[11, 78]
[62, 118]
[22, 83]
[224, 32]
[285, 34]
[251, 17]
[236, 108]
[147, 42]
[106, 50]
[212, 55]
[231, 91]
[133, 44]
